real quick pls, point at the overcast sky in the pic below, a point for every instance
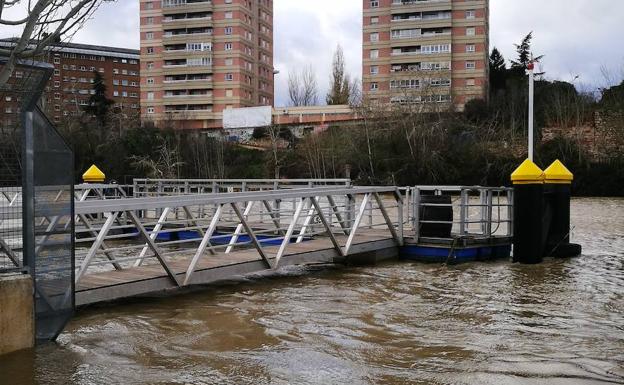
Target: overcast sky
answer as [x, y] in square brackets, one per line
[577, 37]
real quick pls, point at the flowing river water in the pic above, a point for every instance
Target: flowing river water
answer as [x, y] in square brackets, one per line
[561, 322]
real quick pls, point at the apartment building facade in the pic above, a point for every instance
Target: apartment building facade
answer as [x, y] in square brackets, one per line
[200, 57]
[426, 51]
[71, 85]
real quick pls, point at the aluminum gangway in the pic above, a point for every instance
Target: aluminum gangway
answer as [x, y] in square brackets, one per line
[142, 246]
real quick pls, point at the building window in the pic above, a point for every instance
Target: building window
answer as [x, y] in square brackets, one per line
[470, 48]
[149, 20]
[228, 30]
[470, 65]
[57, 60]
[471, 31]
[374, 3]
[150, 110]
[150, 80]
[150, 50]
[374, 86]
[374, 20]
[229, 61]
[374, 36]
[374, 53]
[229, 93]
[228, 15]
[228, 46]
[470, 82]
[57, 73]
[470, 14]
[374, 70]
[149, 5]
[115, 93]
[229, 77]
[150, 65]
[57, 84]
[149, 35]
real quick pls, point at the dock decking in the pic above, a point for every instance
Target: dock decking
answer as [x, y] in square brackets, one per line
[116, 284]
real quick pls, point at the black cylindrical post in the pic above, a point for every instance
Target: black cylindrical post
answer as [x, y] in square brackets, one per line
[528, 239]
[557, 188]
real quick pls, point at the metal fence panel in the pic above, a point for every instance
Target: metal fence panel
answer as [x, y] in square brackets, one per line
[53, 215]
[36, 197]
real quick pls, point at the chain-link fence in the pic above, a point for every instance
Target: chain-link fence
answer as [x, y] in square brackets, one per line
[36, 198]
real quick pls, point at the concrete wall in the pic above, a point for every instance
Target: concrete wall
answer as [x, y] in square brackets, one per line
[16, 313]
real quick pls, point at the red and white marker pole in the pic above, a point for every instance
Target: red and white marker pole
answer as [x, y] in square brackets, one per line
[531, 67]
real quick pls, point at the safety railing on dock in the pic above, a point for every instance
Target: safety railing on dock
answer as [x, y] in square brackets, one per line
[129, 233]
[166, 187]
[459, 211]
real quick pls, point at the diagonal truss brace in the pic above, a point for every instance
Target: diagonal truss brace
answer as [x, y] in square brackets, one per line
[205, 242]
[251, 234]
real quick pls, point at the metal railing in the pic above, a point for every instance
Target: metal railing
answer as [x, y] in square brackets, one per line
[478, 212]
[145, 231]
[164, 187]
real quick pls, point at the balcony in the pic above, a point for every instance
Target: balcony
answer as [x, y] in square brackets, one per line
[417, 2]
[188, 62]
[184, 3]
[418, 33]
[433, 49]
[422, 16]
[186, 32]
[184, 79]
[187, 17]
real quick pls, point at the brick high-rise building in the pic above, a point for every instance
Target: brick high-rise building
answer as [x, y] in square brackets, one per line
[71, 84]
[200, 57]
[418, 51]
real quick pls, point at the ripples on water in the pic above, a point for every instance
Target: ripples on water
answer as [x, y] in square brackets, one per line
[561, 322]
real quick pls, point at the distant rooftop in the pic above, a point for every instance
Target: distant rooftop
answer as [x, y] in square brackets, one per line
[83, 48]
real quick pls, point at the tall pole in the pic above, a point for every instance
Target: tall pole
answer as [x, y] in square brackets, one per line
[531, 67]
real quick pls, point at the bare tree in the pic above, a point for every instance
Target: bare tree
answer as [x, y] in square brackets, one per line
[302, 87]
[43, 23]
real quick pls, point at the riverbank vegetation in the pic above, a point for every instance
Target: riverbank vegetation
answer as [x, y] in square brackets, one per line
[404, 144]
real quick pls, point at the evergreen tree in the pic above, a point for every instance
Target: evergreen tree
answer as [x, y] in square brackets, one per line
[99, 104]
[524, 55]
[340, 85]
[498, 70]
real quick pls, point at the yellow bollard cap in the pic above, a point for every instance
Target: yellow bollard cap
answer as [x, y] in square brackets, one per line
[528, 173]
[93, 175]
[558, 173]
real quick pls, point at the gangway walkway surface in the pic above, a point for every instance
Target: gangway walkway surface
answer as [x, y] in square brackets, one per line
[143, 245]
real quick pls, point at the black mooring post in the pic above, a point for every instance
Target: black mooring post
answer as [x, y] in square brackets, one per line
[558, 192]
[528, 239]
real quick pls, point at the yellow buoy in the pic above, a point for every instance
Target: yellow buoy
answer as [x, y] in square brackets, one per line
[93, 175]
[558, 173]
[528, 173]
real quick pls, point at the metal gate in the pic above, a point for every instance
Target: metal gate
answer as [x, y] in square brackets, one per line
[45, 201]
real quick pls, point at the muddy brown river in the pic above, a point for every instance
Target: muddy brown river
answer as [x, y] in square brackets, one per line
[561, 322]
